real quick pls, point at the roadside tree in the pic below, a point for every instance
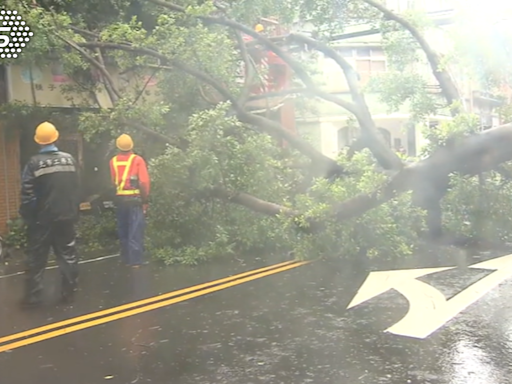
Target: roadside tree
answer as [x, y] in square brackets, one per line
[221, 184]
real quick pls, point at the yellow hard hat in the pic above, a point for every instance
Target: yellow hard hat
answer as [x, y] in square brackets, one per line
[124, 142]
[259, 28]
[46, 133]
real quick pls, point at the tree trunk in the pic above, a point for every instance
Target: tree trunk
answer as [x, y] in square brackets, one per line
[478, 153]
[251, 202]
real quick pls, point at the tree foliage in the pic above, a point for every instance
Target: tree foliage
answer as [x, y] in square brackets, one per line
[211, 158]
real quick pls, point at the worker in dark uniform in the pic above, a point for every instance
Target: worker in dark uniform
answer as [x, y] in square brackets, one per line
[130, 176]
[50, 200]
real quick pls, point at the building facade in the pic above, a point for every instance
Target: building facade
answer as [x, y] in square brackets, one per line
[331, 128]
[41, 86]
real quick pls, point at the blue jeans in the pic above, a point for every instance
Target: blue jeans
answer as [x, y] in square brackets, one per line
[130, 226]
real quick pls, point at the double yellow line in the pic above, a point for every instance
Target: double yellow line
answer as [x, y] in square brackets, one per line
[60, 328]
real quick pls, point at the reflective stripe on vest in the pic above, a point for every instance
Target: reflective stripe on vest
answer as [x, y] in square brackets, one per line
[121, 183]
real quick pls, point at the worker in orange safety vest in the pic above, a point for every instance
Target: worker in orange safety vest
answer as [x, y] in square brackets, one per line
[131, 179]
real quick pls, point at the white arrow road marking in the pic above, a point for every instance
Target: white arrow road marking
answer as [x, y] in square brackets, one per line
[382, 281]
[428, 308]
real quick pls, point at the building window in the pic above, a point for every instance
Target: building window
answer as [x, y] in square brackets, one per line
[369, 61]
[346, 52]
[363, 52]
[377, 52]
[369, 67]
[373, 52]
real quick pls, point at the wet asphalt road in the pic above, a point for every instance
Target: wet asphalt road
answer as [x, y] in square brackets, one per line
[289, 328]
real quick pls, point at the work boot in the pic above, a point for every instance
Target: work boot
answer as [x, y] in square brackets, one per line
[67, 296]
[33, 293]
[68, 290]
[31, 301]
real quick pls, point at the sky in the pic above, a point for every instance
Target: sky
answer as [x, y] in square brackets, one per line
[486, 11]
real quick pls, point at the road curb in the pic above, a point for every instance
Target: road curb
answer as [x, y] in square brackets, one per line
[101, 258]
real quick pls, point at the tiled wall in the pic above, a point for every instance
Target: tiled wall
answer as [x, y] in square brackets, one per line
[9, 177]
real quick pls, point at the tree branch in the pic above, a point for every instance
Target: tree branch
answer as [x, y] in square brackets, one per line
[113, 92]
[385, 156]
[480, 152]
[240, 198]
[251, 202]
[282, 93]
[109, 84]
[83, 32]
[293, 64]
[268, 125]
[443, 77]
[109, 81]
[250, 69]
[153, 133]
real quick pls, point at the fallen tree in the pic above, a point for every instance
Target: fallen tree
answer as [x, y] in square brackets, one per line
[429, 178]
[173, 40]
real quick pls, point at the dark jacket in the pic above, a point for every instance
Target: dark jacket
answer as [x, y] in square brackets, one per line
[50, 189]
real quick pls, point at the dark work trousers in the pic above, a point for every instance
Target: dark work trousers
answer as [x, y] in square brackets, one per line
[130, 226]
[61, 237]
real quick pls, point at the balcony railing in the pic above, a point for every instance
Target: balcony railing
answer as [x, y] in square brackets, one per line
[486, 98]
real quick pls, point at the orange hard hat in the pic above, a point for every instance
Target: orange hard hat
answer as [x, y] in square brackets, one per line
[46, 133]
[124, 142]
